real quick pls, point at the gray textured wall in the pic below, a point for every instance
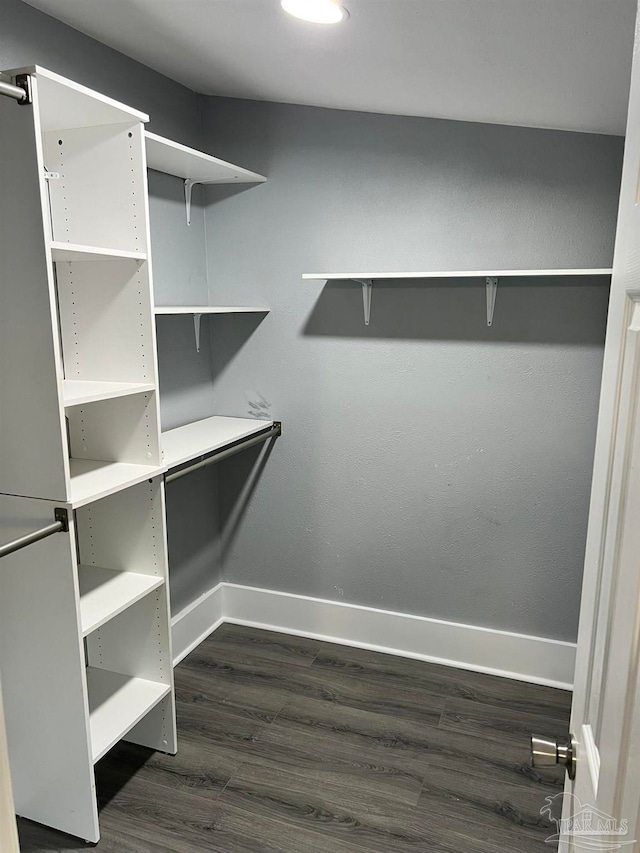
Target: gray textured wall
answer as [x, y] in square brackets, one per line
[29, 37]
[428, 464]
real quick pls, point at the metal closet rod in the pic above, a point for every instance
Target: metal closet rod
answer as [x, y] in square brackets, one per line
[20, 91]
[60, 525]
[244, 444]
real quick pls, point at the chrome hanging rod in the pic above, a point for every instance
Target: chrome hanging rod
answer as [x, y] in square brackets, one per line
[20, 90]
[218, 455]
[60, 525]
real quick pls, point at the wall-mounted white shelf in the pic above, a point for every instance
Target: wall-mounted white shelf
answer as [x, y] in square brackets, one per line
[92, 479]
[206, 436]
[491, 277]
[78, 391]
[193, 166]
[209, 309]
[106, 592]
[198, 310]
[73, 252]
[116, 703]
[173, 158]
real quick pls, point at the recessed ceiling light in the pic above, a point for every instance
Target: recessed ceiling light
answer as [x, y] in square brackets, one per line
[316, 11]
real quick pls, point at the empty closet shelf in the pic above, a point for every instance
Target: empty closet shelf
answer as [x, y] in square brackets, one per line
[106, 592]
[75, 252]
[92, 480]
[173, 158]
[197, 439]
[77, 391]
[116, 704]
[210, 309]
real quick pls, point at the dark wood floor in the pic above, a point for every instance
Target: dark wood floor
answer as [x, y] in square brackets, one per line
[289, 744]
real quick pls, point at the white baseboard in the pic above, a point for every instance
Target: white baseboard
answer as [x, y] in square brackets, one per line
[192, 625]
[533, 659]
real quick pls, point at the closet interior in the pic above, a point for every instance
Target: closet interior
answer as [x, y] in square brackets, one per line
[85, 617]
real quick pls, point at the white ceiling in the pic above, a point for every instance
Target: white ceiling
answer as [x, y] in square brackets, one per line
[541, 63]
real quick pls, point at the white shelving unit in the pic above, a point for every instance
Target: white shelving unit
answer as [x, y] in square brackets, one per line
[491, 279]
[84, 616]
[188, 442]
[194, 167]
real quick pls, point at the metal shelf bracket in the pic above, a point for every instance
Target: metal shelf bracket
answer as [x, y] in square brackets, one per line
[188, 186]
[196, 328]
[492, 290]
[367, 290]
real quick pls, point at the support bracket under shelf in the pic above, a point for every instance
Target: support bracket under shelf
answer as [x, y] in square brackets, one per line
[492, 290]
[367, 290]
[196, 328]
[188, 187]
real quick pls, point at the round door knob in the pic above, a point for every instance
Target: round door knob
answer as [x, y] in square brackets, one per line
[544, 751]
[547, 752]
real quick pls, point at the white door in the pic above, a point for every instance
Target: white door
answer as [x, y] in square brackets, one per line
[8, 832]
[601, 805]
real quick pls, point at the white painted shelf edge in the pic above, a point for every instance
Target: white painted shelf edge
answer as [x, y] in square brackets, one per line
[92, 479]
[173, 158]
[197, 439]
[106, 592]
[76, 252]
[380, 276]
[116, 703]
[210, 309]
[78, 391]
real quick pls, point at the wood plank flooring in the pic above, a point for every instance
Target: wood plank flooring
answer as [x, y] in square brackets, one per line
[297, 746]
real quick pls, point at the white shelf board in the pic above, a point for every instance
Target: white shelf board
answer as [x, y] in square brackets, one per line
[209, 309]
[74, 252]
[197, 439]
[106, 592]
[92, 479]
[116, 703]
[379, 276]
[77, 391]
[170, 157]
[66, 104]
